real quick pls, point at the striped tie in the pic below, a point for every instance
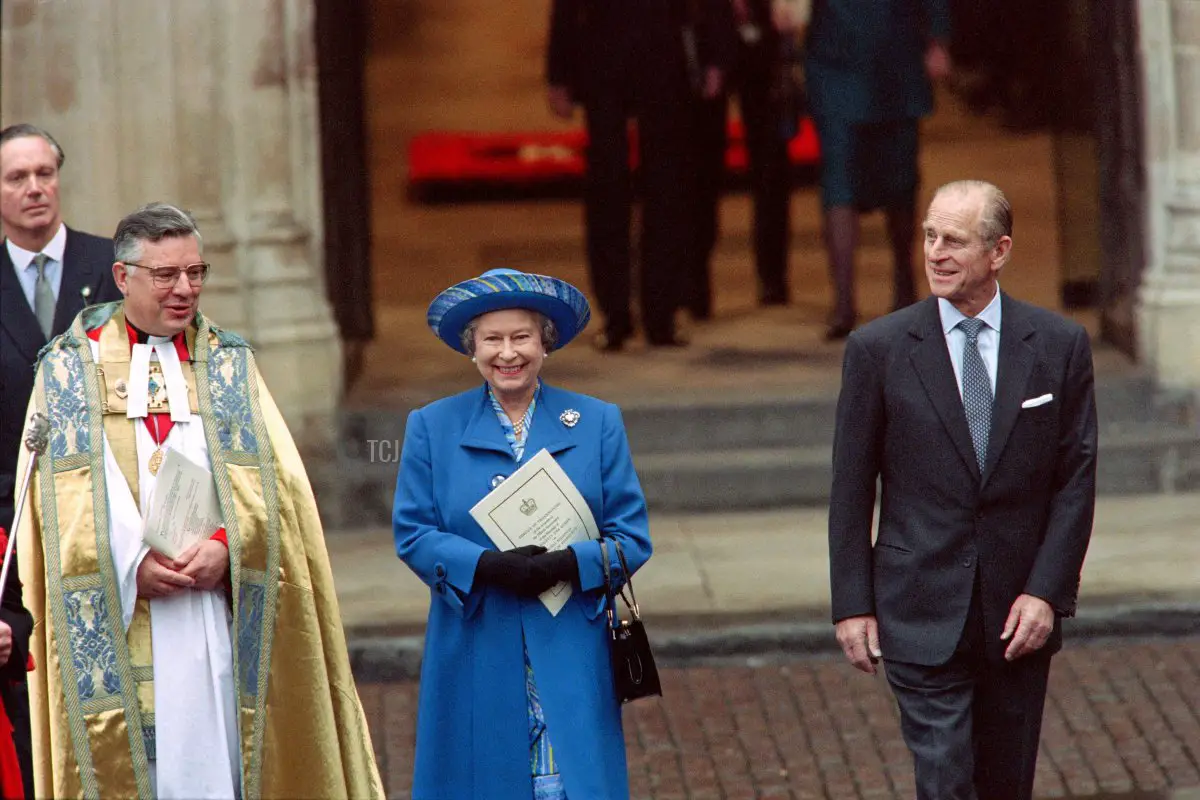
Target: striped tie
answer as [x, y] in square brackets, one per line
[976, 389]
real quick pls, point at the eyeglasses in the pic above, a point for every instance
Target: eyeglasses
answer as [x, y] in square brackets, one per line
[166, 277]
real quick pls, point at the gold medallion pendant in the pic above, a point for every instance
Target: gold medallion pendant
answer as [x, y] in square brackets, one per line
[156, 459]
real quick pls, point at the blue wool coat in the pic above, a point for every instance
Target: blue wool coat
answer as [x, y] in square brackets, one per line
[472, 723]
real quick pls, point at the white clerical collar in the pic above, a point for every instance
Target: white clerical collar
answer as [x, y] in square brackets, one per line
[22, 258]
[162, 349]
[951, 316]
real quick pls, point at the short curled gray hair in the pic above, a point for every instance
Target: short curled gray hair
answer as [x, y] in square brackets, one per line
[152, 222]
[547, 326]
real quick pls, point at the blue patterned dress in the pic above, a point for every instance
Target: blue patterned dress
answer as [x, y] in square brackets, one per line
[547, 782]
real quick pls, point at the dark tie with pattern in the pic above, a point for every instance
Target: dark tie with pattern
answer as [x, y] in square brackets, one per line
[43, 296]
[976, 389]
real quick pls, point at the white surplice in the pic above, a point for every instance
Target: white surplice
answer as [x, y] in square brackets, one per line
[197, 748]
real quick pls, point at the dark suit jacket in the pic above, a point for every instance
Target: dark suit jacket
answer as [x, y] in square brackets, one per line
[594, 44]
[87, 264]
[1024, 524]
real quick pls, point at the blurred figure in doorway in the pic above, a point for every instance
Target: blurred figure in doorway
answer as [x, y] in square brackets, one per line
[868, 75]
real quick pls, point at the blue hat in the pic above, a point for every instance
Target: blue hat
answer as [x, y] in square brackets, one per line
[498, 289]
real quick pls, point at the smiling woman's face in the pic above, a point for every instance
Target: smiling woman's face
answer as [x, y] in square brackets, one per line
[509, 351]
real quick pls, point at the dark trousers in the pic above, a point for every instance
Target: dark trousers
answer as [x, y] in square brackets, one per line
[769, 178]
[654, 96]
[973, 723]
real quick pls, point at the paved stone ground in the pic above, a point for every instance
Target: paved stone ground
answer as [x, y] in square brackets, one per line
[1122, 719]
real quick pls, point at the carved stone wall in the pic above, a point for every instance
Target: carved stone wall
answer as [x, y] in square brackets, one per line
[212, 106]
[1169, 298]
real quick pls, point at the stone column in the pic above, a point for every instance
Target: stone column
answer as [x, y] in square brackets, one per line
[212, 106]
[1169, 299]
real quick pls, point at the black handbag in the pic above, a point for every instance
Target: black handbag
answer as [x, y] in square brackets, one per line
[634, 673]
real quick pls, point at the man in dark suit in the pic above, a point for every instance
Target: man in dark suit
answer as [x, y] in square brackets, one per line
[639, 59]
[48, 273]
[986, 505]
[756, 75]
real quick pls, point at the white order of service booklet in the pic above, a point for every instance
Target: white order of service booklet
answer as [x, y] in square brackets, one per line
[538, 504]
[185, 509]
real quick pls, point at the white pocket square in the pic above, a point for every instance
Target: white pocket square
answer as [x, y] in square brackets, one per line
[1034, 402]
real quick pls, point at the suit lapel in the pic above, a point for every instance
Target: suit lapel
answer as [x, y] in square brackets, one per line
[77, 273]
[1017, 357]
[931, 360]
[16, 316]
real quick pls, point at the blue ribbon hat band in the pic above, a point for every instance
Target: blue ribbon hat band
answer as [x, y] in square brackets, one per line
[499, 289]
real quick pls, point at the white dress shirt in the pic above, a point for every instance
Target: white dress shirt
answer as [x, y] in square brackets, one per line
[989, 337]
[22, 261]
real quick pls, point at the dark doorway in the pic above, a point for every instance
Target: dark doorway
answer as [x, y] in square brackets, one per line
[341, 59]
[1098, 162]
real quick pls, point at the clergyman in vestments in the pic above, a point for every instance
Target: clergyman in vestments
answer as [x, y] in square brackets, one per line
[222, 672]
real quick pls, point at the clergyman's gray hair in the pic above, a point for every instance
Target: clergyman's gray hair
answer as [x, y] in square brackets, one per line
[997, 217]
[549, 333]
[24, 129]
[152, 222]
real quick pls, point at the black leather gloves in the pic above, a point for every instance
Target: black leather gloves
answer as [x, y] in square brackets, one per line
[527, 571]
[561, 564]
[514, 570]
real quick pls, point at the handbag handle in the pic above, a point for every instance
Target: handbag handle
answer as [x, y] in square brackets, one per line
[632, 605]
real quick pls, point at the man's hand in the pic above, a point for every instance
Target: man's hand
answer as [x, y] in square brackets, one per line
[859, 638]
[159, 576]
[786, 18]
[1029, 625]
[206, 563]
[560, 102]
[937, 61]
[5, 643]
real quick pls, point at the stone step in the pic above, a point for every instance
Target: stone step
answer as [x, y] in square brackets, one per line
[1137, 458]
[735, 479]
[1130, 462]
[686, 424]
[743, 452]
[743, 425]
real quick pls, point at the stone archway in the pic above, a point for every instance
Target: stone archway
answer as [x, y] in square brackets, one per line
[213, 107]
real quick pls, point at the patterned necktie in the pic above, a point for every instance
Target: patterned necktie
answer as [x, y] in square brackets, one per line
[43, 296]
[976, 389]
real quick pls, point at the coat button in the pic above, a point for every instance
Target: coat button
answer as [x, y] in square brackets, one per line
[441, 571]
[968, 562]
[441, 588]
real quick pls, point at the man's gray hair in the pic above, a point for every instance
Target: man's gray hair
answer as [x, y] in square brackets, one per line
[152, 222]
[24, 129]
[547, 326]
[997, 217]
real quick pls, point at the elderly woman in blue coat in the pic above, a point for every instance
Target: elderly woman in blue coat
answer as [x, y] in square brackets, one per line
[515, 703]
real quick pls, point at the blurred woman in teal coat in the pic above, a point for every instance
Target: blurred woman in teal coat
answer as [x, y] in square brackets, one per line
[515, 704]
[867, 72]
